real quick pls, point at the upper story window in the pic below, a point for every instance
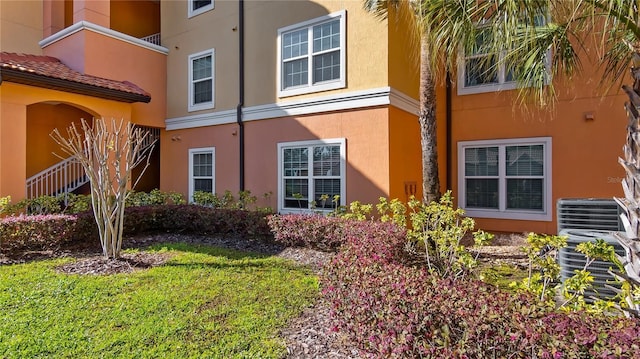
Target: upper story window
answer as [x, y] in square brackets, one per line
[197, 7]
[201, 80]
[509, 179]
[312, 55]
[484, 71]
[311, 174]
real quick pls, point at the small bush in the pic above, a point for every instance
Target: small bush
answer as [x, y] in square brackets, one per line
[36, 232]
[434, 231]
[245, 200]
[308, 230]
[194, 219]
[42, 232]
[155, 197]
[77, 203]
[34, 206]
[330, 233]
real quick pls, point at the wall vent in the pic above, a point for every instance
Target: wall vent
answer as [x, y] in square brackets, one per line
[601, 214]
[571, 260]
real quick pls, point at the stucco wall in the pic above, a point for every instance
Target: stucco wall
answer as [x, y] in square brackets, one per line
[126, 17]
[20, 26]
[42, 118]
[15, 100]
[367, 56]
[103, 56]
[585, 152]
[365, 131]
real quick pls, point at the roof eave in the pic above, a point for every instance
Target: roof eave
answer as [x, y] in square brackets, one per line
[32, 79]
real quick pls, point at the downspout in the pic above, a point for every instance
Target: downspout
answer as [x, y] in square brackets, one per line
[449, 132]
[241, 89]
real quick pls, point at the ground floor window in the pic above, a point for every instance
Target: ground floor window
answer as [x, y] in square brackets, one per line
[508, 179]
[311, 174]
[201, 170]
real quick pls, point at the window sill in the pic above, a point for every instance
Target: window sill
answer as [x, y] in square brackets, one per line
[519, 215]
[471, 90]
[200, 107]
[326, 86]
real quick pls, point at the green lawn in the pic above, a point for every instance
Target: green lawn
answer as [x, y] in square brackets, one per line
[205, 302]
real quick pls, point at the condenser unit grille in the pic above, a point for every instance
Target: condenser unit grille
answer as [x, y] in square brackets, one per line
[589, 213]
[571, 260]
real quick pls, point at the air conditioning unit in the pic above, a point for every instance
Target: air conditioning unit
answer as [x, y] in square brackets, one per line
[571, 260]
[585, 220]
[600, 214]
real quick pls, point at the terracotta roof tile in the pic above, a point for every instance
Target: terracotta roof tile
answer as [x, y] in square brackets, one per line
[52, 67]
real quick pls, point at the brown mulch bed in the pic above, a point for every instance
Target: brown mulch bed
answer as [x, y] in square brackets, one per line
[128, 263]
[308, 336]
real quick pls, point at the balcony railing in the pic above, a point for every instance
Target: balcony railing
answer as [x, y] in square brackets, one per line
[154, 39]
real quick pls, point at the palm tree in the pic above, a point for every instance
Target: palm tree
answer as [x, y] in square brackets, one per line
[411, 11]
[540, 40]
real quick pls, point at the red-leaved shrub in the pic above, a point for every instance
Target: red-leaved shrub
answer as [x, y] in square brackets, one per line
[329, 233]
[36, 232]
[390, 309]
[308, 230]
[195, 219]
[49, 231]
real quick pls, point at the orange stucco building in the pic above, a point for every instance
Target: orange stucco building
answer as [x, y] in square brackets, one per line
[63, 61]
[298, 99]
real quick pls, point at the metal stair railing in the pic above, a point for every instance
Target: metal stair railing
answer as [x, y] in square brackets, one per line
[63, 177]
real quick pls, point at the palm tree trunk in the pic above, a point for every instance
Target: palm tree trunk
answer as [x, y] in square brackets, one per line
[428, 131]
[630, 204]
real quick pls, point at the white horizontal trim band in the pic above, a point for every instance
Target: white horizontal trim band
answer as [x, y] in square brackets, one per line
[86, 25]
[342, 101]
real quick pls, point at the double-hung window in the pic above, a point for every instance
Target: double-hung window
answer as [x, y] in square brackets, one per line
[201, 80]
[197, 7]
[311, 174]
[484, 71]
[508, 179]
[201, 170]
[312, 55]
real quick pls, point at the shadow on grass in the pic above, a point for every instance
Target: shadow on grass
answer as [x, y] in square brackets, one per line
[228, 258]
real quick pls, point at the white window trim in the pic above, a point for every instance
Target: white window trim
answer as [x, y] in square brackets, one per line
[310, 87]
[502, 85]
[193, 151]
[205, 105]
[502, 213]
[343, 174]
[191, 13]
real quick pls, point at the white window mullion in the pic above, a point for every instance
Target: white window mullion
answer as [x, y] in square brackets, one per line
[311, 178]
[310, 56]
[502, 180]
